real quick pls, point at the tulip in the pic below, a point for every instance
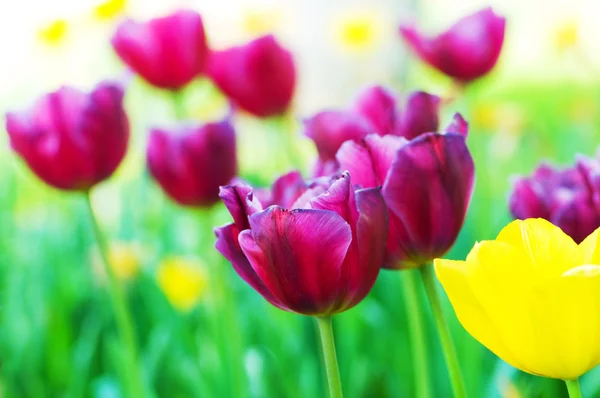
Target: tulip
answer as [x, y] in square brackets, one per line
[258, 77]
[427, 184]
[532, 297]
[567, 198]
[168, 52]
[466, 51]
[374, 111]
[191, 162]
[319, 255]
[70, 139]
[424, 220]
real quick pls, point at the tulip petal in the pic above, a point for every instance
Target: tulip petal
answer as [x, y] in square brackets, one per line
[420, 115]
[549, 250]
[458, 126]
[369, 160]
[227, 244]
[378, 104]
[240, 202]
[298, 255]
[431, 213]
[590, 248]
[565, 314]
[471, 314]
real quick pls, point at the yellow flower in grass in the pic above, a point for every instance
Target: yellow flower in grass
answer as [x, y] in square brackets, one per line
[109, 9]
[125, 260]
[183, 281]
[566, 35]
[54, 32]
[358, 31]
[532, 296]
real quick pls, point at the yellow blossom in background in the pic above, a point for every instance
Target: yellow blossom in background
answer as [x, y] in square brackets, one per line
[566, 35]
[358, 31]
[54, 32]
[125, 260]
[260, 21]
[498, 118]
[109, 9]
[183, 281]
[532, 296]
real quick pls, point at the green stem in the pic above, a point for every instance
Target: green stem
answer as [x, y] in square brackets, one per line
[124, 324]
[456, 379]
[333, 373]
[417, 333]
[179, 104]
[573, 388]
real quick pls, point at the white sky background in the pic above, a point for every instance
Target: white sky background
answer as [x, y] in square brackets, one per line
[328, 75]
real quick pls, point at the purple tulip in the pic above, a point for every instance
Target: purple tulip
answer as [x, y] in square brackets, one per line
[259, 77]
[427, 185]
[168, 52]
[568, 198]
[374, 111]
[466, 51]
[191, 162]
[70, 139]
[317, 256]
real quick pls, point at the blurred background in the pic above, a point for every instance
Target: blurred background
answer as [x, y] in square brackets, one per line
[202, 331]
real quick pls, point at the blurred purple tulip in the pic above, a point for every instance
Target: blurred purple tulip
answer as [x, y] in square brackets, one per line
[427, 186]
[568, 198]
[191, 162]
[466, 51]
[70, 139]
[168, 52]
[375, 110]
[318, 255]
[259, 76]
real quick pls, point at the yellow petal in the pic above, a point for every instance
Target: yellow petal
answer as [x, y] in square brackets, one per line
[566, 315]
[500, 276]
[551, 252]
[590, 249]
[468, 309]
[183, 281]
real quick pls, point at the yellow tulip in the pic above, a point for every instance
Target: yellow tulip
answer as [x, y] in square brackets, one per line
[532, 296]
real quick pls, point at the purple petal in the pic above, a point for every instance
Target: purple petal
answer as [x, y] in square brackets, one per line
[427, 192]
[420, 115]
[369, 160]
[378, 104]
[525, 201]
[227, 244]
[458, 126]
[578, 218]
[298, 256]
[330, 129]
[240, 202]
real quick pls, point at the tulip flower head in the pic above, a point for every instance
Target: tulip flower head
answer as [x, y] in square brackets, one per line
[568, 198]
[319, 255]
[259, 77]
[426, 184]
[168, 52]
[532, 296]
[466, 51]
[70, 139]
[375, 110]
[191, 162]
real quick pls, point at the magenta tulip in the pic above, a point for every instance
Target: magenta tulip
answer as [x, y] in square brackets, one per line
[258, 77]
[466, 51]
[568, 198]
[168, 52]
[191, 162]
[375, 110]
[319, 255]
[70, 139]
[427, 185]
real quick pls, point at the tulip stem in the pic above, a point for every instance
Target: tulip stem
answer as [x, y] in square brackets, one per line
[179, 105]
[417, 333]
[456, 379]
[123, 319]
[573, 388]
[330, 359]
